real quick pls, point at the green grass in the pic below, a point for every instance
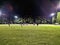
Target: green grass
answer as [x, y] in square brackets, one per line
[29, 35]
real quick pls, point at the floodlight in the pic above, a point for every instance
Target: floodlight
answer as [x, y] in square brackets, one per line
[52, 14]
[15, 17]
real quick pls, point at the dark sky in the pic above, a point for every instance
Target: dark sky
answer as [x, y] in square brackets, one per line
[33, 8]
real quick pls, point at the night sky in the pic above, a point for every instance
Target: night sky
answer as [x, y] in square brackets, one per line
[32, 8]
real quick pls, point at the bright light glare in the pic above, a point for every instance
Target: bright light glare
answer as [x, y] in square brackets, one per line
[58, 6]
[52, 14]
[0, 13]
[15, 17]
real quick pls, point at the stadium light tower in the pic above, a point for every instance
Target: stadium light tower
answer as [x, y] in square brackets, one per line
[52, 17]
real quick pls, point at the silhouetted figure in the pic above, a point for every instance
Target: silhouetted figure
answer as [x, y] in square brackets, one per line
[33, 23]
[37, 24]
[9, 23]
[21, 24]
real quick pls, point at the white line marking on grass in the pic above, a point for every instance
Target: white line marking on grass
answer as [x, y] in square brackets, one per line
[28, 25]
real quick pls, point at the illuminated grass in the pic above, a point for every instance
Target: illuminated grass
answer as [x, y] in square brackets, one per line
[30, 35]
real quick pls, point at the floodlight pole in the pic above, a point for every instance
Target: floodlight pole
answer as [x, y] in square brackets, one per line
[55, 17]
[1, 16]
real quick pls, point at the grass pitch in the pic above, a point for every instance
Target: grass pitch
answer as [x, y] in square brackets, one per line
[30, 35]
